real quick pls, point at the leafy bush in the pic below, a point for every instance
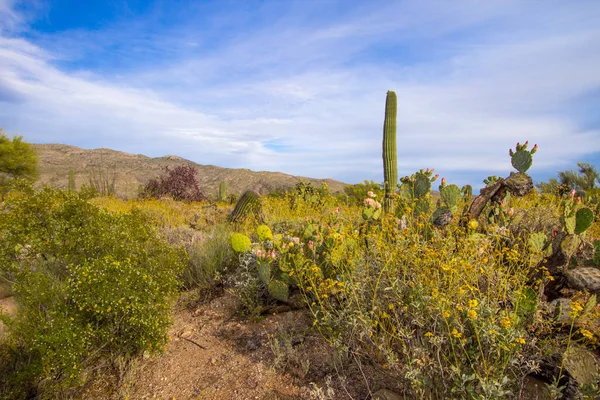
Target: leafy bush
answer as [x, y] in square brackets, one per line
[18, 159]
[181, 183]
[90, 286]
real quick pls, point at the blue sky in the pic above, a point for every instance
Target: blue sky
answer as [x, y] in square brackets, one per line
[299, 86]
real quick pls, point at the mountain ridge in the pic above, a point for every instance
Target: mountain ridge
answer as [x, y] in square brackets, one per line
[129, 171]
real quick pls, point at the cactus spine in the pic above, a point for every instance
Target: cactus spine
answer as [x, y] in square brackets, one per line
[223, 192]
[390, 160]
[246, 204]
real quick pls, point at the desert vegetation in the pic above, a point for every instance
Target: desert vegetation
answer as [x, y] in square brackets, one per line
[456, 295]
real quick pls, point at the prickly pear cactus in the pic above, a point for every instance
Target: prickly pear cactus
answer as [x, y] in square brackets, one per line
[371, 213]
[450, 195]
[584, 218]
[570, 223]
[264, 272]
[279, 290]
[537, 241]
[569, 245]
[422, 185]
[584, 278]
[522, 158]
[491, 180]
[538, 244]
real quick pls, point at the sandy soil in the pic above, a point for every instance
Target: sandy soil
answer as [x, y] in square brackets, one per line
[211, 355]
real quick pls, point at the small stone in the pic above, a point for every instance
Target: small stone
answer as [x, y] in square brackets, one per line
[582, 365]
[584, 278]
[186, 334]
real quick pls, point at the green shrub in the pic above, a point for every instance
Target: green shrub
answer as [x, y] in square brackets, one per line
[90, 286]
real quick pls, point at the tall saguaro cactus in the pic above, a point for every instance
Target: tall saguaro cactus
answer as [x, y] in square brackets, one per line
[390, 161]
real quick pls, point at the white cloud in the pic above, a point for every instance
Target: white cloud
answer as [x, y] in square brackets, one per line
[307, 97]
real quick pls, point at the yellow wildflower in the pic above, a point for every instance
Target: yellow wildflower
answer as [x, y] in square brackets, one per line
[505, 322]
[446, 314]
[576, 306]
[429, 334]
[473, 224]
[456, 333]
[586, 334]
[472, 314]
[473, 303]
[520, 340]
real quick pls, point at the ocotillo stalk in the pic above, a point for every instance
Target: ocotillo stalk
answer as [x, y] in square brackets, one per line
[390, 161]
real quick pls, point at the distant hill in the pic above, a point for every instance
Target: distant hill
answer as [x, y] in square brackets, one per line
[132, 170]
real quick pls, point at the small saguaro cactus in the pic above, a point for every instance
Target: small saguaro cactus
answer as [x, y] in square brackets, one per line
[467, 192]
[390, 161]
[249, 202]
[223, 191]
[71, 180]
[522, 158]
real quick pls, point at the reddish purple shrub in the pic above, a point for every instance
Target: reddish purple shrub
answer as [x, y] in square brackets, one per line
[180, 183]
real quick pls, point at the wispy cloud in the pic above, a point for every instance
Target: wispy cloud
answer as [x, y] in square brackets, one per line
[300, 86]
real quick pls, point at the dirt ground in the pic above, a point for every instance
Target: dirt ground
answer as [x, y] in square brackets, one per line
[212, 353]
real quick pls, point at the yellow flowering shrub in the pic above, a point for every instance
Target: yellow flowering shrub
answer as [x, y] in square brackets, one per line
[90, 285]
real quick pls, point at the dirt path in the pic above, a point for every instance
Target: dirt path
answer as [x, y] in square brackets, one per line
[233, 362]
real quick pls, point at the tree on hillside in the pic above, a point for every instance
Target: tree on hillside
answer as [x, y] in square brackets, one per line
[18, 159]
[586, 179]
[180, 183]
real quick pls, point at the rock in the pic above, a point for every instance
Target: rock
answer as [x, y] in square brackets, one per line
[584, 278]
[535, 388]
[519, 184]
[582, 365]
[186, 334]
[561, 308]
[385, 394]
[254, 343]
